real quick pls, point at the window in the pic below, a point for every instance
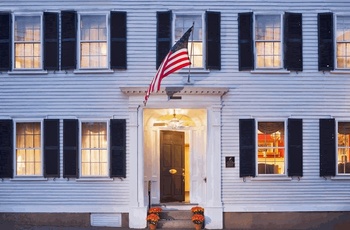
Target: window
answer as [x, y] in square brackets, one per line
[27, 42]
[94, 153]
[195, 43]
[271, 148]
[343, 153]
[343, 42]
[268, 41]
[93, 42]
[28, 149]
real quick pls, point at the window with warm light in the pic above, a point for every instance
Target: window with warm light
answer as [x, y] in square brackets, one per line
[93, 42]
[343, 42]
[28, 149]
[27, 42]
[268, 41]
[94, 152]
[343, 154]
[271, 148]
[195, 42]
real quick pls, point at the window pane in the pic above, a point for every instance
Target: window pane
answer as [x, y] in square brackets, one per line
[343, 147]
[343, 42]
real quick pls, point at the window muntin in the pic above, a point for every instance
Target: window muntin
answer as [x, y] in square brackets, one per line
[343, 148]
[271, 148]
[28, 149]
[93, 42]
[27, 42]
[94, 153]
[268, 41]
[343, 42]
[195, 45]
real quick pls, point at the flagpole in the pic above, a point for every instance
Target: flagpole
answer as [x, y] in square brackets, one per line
[189, 69]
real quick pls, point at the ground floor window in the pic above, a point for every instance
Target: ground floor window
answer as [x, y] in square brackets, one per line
[343, 153]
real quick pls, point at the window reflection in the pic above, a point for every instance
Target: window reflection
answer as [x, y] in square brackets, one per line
[343, 42]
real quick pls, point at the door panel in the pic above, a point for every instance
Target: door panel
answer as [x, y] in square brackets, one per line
[172, 149]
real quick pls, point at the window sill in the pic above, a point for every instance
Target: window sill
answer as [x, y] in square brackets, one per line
[271, 178]
[92, 71]
[270, 71]
[24, 72]
[345, 71]
[341, 177]
[92, 179]
[29, 179]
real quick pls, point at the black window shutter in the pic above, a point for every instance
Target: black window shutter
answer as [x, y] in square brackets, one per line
[5, 41]
[118, 148]
[293, 42]
[247, 147]
[245, 41]
[295, 147]
[68, 40]
[327, 147]
[50, 41]
[51, 148]
[325, 42]
[118, 40]
[70, 148]
[213, 46]
[163, 35]
[6, 149]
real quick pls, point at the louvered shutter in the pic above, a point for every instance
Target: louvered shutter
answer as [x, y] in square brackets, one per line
[247, 142]
[70, 148]
[245, 41]
[163, 35]
[68, 40]
[327, 147]
[118, 148]
[293, 42]
[51, 148]
[295, 147]
[6, 149]
[213, 45]
[50, 41]
[325, 42]
[5, 41]
[118, 40]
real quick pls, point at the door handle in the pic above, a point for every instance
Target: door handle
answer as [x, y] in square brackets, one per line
[172, 171]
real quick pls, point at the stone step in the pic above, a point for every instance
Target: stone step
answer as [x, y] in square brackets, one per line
[176, 215]
[175, 224]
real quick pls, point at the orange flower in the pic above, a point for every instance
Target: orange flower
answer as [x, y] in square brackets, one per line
[198, 219]
[153, 218]
[197, 210]
[155, 210]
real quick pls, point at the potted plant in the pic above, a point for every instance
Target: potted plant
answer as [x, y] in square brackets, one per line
[198, 220]
[155, 210]
[197, 210]
[152, 220]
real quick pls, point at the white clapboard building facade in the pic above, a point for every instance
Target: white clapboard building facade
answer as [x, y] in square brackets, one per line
[254, 130]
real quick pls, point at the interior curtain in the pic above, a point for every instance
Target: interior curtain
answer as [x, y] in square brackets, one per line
[271, 127]
[344, 127]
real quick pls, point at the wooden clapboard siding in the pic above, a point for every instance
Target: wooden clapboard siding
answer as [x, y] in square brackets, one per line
[308, 95]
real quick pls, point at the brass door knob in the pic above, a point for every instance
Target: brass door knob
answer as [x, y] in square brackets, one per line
[173, 171]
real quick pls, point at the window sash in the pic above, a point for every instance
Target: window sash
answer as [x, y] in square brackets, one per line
[93, 39]
[343, 42]
[343, 148]
[27, 40]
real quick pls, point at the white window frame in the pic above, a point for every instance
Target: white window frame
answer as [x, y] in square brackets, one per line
[13, 58]
[204, 31]
[15, 148]
[107, 150]
[285, 174]
[335, 26]
[280, 14]
[107, 16]
[336, 149]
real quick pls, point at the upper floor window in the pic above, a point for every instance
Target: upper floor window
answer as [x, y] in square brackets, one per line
[343, 153]
[271, 148]
[94, 152]
[195, 42]
[343, 42]
[268, 41]
[27, 42]
[93, 42]
[28, 149]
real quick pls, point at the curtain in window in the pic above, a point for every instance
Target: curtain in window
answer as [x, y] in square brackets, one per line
[271, 127]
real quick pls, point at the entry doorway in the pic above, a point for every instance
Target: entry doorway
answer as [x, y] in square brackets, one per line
[172, 166]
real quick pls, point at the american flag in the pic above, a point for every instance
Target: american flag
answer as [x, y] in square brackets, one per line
[176, 59]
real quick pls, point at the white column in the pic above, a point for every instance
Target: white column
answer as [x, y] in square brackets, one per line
[213, 205]
[138, 208]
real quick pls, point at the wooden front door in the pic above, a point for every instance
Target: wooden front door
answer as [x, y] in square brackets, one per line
[172, 166]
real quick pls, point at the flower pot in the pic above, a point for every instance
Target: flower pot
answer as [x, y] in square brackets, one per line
[152, 226]
[198, 226]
